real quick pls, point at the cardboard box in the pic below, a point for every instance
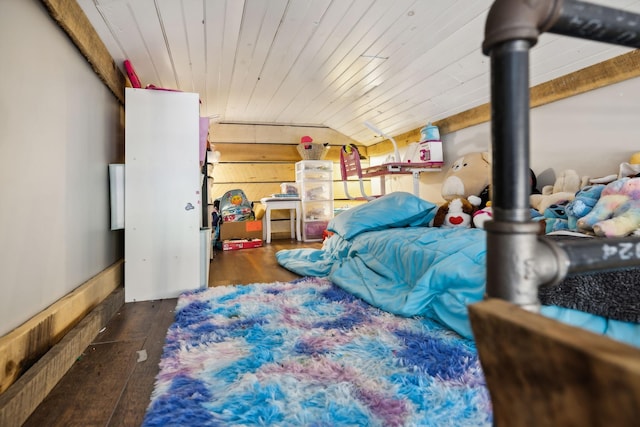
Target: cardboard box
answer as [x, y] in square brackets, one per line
[238, 230]
[233, 245]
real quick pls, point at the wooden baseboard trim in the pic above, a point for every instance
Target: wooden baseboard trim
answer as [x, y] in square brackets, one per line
[23, 346]
[24, 396]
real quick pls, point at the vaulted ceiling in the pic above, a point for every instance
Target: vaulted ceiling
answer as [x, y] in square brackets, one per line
[337, 63]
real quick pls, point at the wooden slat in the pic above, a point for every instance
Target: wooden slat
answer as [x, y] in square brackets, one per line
[259, 26]
[615, 70]
[253, 190]
[71, 18]
[250, 152]
[273, 134]
[20, 348]
[223, 23]
[289, 42]
[263, 172]
[22, 398]
[87, 377]
[141, 382]
[254, 172]
[120, 327]
[398, 42]
[184, 40]
[257, 190]
[544, 373]
[259, 169]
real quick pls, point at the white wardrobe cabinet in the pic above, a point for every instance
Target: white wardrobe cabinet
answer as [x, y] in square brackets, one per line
[162, 194]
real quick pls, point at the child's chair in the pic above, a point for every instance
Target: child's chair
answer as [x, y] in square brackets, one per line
[350, 167]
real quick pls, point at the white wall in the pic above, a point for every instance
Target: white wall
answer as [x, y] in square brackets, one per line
[592, 133]
[59, 129]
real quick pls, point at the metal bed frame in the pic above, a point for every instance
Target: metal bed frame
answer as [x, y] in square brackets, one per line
[518, 259]
[541, 372]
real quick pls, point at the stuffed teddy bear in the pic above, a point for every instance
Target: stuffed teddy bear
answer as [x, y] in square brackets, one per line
[468, 176]
[562, 191]
[454, 213]
[617, 211]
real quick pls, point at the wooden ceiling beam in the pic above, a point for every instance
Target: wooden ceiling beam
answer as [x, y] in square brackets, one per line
[71, 18]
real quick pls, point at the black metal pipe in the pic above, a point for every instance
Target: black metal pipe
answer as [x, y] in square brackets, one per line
[586, 255]
[510, 131]
[599, 23]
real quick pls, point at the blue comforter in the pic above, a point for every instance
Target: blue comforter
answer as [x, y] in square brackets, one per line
[406, 271]
[386, 253]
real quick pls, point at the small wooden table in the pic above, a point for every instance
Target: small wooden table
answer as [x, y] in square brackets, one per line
[275, 203]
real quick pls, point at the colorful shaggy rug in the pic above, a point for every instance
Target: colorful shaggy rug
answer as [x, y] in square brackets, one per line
[306, 353]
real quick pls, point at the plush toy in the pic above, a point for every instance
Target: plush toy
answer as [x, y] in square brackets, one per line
[582, 204]
[561, 192]
[482, 215]
[617, 211]
[554, 218]
[468, 176]
[565, 216]
[454, 213]
[306, 141]
[630, 168]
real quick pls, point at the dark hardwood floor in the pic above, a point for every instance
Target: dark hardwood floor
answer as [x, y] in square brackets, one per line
[111, 383]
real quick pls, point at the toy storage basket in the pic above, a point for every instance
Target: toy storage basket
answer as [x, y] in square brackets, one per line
[313, 151]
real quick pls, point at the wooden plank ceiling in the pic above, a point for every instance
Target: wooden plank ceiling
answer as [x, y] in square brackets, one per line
[333, 63]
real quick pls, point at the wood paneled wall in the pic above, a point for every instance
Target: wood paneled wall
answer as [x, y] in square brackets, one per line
[258, 158]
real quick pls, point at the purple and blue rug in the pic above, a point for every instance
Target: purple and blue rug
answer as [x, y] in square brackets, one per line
[306, 353]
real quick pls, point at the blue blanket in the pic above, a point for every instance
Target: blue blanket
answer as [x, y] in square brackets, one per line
[386, 253]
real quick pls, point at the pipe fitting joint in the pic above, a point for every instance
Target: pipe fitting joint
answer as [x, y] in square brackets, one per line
[519, 19]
